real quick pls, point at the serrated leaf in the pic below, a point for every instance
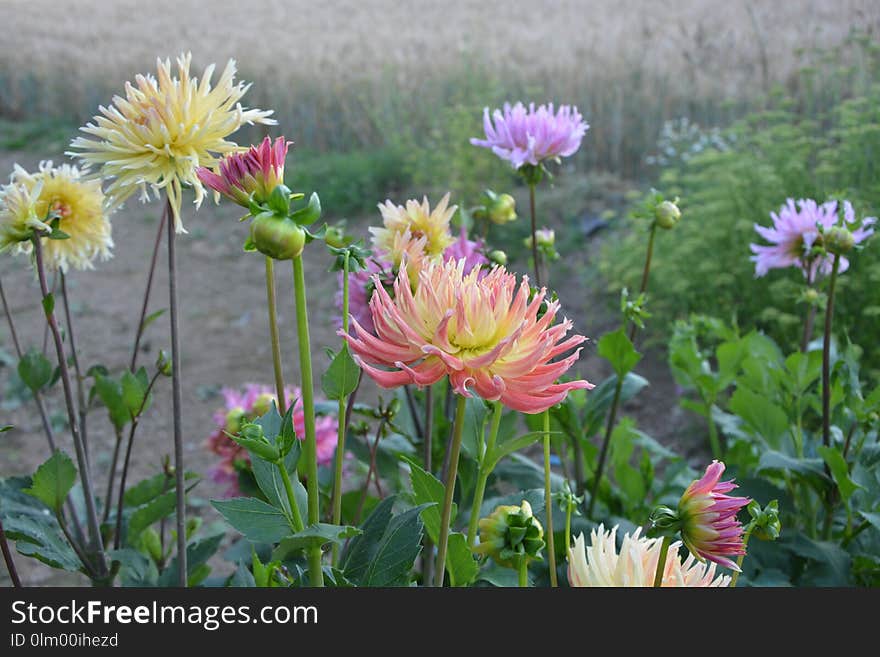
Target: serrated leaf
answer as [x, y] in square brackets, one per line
[35, 370]
[197, 553]
[242, 577]
[110, 393]
[762, 416]
[137, 569]
[53, 480]
[320, 533]
[258, 521]
[153, 511]
[341, 378]
[133, 393]
[617, 349]
[460, 562]
[151, 487]
[396, 552]
[271, 484]
[429, 491]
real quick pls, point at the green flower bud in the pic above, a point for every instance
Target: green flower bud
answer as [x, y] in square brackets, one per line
[335, 237]
[502, 209]
[152, 544]
[667, 214]
[498, 257]
[163, 363]
[263, 404]
[510, 534]
[838, 240]
[811, 296]
[279, 238]
[234, 419]
[765, 522]
[665, 521]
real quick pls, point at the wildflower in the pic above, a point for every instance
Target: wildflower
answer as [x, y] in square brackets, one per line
[796, 237]
[241, 407]
[18, 214]
[78, 205]
[483, 332]
[709, 527]
[257, 171]
[531, 136]
[511, 533]
[635, 565]
[419, 221]
[164, 130]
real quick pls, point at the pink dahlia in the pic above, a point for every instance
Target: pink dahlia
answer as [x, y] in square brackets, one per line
[483, 333]
[246, 406]
[468, 250]
[709, 527]
[256, 171]
[795, 232]
[530, 136]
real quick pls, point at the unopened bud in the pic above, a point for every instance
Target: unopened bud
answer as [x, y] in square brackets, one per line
[502, 209]
[667, 214]
[498, 257]
[163, 363]
[279, 238]
[838, 240]
[510, 534]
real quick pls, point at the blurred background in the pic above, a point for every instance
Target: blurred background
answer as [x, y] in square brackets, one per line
[734, 105]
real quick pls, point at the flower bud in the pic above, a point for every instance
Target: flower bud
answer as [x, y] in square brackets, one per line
[765, 522]
[234, 419]
[546, 238]
[502, 209]
[510, 534]
[665, 521]
[499, 258]
[163, 363]
[811, 296]
[667, 214]
[263, 404]
[335, 237]
[279, 238]
[839, 240]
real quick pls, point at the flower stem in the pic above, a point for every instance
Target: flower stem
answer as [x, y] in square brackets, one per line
[826, 389]
[569, 508]
[535, 259]
[7, 557]
[80, 393]
[523, 573]
[146, 302]
[483, 474]
[341, 420]
[96, 541]
[446, 515]
[291, 498]
[661, 562]
[428, 446]
[548, 501]
[316, 575]
[646, 270]
[176, 403]
[714, 443]
[739, 561]
[38, 397]
[273, 336]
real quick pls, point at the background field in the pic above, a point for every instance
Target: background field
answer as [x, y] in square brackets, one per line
[380, 98]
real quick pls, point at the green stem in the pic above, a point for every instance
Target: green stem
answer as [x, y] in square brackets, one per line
[568, 511]
[826, 393]
[548, 501]
[273, 336]
[661, 562]
[428, 447]
[341, 421]
[295, 515]
[535, 259]
[643, 287]
[523, 573]
[739, 561]
[446, 515]
[316, 575]
[714, 443]
[81, 405]
[603, 453]
[7, 557]
[486, 465]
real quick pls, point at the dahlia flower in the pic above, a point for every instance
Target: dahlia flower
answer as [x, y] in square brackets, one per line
[795, 232]
[18, 214]
[530, 136]
[635, 564]
[246, 406]
[482, 332]
[419, 221]
[709, 527]
[164, 130]
[257, 171]
[78, 204]
[359, 284]
[468, 250]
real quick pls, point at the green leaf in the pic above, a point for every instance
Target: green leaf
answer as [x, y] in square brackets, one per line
[153, 511]
[873, 518]
[512, 445]
[152, 487]
[599, 399]
[808, 467]
[197, 553]
[617, 349]
[134, 392]
[35, 370]
[319, 533]
[53, 480]
[258, 521]
[49, 304]
[460, 562]
[341, 378]
[242, 577]
[356, 557]
[428, 491]
[762, 416]
[475, 415]
[6, 427]
[110, 393]
[152, 317]
[309, 214]
[271, 484]
[137, 569]
[839, 470]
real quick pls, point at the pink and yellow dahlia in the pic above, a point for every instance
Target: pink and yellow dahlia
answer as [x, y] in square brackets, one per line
[709, 527]
[484, 333]
[245, 406]
[419, 221]
[256, 171]
[635, 564]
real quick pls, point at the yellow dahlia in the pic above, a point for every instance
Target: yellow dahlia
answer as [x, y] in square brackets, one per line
[164, 130]
[18, 214]
[419, 221]
[635, 564]
[78, 203]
